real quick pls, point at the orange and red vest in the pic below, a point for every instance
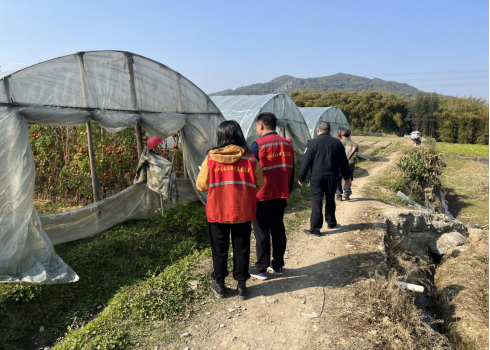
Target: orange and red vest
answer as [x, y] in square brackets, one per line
[276, 156]
[232, 190]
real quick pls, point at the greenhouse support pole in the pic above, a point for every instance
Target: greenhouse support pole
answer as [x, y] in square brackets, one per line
[282, 132]
[91, 156]
[134, 101]
[91, 153]
[184, 166]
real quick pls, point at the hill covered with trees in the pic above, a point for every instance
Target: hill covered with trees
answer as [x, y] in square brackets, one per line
[339, 81]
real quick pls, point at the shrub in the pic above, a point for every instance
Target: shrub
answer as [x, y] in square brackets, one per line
[423, 166]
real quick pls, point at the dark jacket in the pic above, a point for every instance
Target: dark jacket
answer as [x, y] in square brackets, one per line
[324, 155]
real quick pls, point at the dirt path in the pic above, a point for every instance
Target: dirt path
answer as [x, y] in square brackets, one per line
[286, 312]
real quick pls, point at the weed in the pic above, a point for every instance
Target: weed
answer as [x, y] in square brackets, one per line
[106, 264]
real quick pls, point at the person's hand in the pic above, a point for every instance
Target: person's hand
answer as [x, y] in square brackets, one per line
[348, 182]
[300, 183]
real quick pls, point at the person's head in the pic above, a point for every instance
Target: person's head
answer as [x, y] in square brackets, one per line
[323, 127]
[230, 133]
[345, 133]
[265, 122]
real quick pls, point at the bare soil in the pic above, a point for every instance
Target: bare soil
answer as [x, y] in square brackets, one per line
[315, 304]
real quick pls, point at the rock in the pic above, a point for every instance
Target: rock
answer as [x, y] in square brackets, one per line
[193, 285]
[187, 348]
[41, 329]
[232, 310]
[185, 335]
[303, 301]
[474, 232]
[222, 325]
[47, 348]
[272, 300]
[446, 242]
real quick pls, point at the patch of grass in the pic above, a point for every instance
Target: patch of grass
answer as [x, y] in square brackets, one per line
[162, 296]
[107, 264]
[468, 186]
[480, 258]
[466, 149]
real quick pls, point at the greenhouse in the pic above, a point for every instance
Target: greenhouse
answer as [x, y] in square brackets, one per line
[245, 108]
[333, 115]
[115, 90]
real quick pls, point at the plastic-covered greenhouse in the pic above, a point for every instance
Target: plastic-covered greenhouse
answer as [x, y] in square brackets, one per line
[245, 108]
[116, 90]
[333, 115]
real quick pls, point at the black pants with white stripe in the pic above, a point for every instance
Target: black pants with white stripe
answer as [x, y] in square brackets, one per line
[269, 223]
[219, 237]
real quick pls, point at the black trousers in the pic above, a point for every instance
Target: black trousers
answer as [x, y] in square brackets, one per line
[322, 186]
[269, 222]
[219, 237]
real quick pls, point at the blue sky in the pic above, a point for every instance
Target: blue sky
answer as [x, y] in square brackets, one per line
[433, 45]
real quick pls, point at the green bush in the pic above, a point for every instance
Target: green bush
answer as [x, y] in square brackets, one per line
[423, 166]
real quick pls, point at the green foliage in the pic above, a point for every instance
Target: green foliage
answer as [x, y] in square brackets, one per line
[366, 111]
[480, 258]
[63, 167]
[19, 293]
[422, 113]
[106, 264]
[422, 165]
[161, 296]
[463, 120]
[448, 119]
[466, 149]
[339, 81]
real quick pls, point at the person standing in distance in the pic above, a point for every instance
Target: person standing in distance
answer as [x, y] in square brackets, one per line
[231, 176]
[351, 151]
[276, 156]
[324, 155]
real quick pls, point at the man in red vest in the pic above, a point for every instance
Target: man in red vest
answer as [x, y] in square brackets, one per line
[276, 156]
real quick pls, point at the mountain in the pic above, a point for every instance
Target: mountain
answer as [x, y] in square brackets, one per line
[339, 81]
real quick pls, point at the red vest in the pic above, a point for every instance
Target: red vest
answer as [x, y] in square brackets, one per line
[276, 156]
[232, 190]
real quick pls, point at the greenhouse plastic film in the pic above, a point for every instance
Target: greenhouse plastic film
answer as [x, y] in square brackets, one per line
[26, 253]
[73, 90]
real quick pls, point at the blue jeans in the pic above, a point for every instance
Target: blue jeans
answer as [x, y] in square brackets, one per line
[347, 188]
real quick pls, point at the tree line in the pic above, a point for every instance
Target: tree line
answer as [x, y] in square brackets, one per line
[445, 118]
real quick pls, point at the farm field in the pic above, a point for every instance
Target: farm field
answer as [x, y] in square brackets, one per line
[148, 264]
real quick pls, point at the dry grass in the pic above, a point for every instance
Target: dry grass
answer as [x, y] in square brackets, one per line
[394, 320]
[468, 186]
[462, 294]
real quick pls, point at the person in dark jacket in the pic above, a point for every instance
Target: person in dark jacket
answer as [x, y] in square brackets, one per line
[324, 155]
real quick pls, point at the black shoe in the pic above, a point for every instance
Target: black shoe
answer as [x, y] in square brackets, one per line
[347, 197]
[312, 233]
[242, 290]
[332, 225]
[338, 198]
[218, 288]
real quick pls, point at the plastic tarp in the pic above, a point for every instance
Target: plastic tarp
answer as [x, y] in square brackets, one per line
[333, 115]
[245, 108]
[114, 89]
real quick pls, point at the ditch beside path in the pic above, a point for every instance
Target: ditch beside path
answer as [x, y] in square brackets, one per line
[305, 308]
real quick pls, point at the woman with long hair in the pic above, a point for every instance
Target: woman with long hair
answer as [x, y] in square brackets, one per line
[231, 176]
